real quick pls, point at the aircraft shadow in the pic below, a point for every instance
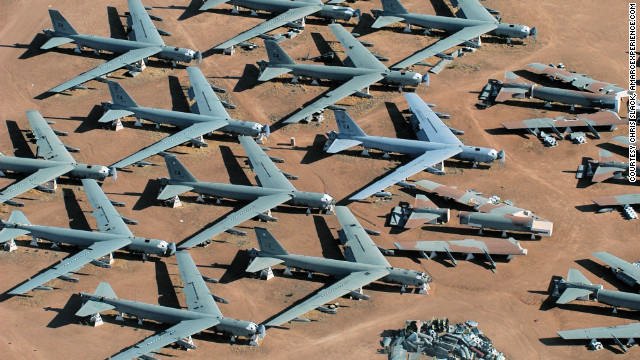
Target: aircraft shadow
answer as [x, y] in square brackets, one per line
[603, 272]
[248, 80]
[148, 197]
[542, 80]
[87, 123]
[363, 27]
[327, 54]
[315, 152]
[179, 100]
[32, 48]
[441, 8]
[18, 140]
[237, 175]
[166, 293]
[503, 131]
[65, 315]
[77, 219]
[400, 124]
[328, 243]
[615, 149]
[235, 269]
[116, 28]
[588, 208]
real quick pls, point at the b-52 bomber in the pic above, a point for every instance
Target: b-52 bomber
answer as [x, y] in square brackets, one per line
[274, 189]
[144, 42]
[113, 234]
[436, 143]
[53, 160]
[291, 14]
[364, 265]
[366, 71]
[201, 314]
[473, 21]
[208, 115]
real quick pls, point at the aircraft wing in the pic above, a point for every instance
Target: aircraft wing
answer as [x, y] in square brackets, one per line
[362, 248]
[628, 199]
[416, 165]
[179, 331]
[359, 55]
[127, 58]
[620, 332]
[434, 129]
[198, 296]
[331, 97]
[439, 46]
[274, 23]
[192, 132]
[473, 10]
[73, 263]
[249, 211]
[493, 246]
[207, 102]
[49, 145]
[39, 177]
[618, 264]
[108, 219]
[603, 173]
[267, 172]
[344, 286]
[600, 118]
[143, 28]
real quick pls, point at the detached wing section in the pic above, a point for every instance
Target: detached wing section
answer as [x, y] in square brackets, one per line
[416, 165]
[360, 56]
[267, 172]
[182, 330]
[108, 219]
[192, 132]
[39, 177]
[433, 129]
[454, 39]
[473, 10]
[111, 65]
[143, 28]
[73, 263]
[252, 210]
[353, 235]
[600, 118]
[628, 199]
[618, 265]
[274, 23]
[207, 102]
[195, 290]
[49, 145]
[344, 286]
[493, 246]
[331, 97]
[620, 332]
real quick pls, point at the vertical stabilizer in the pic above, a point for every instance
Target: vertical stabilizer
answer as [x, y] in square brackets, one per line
[60, 25]
[18, 217]
[346, 125]
[268, 243]
[119, 95]
[177, 171]
[393, 7]
[276, 54]
[104, 289]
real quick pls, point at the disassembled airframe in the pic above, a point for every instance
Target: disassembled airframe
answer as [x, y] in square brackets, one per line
[365, 262]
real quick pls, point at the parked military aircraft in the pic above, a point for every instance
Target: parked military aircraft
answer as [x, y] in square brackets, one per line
[208, 115]
[473, 21]
[606, 167]
[515, 87]
[364, 264]
[625, 271]
[506, 222]
[144, 41]
[590, 121]
[367, 70]
[202, 313]
[291, 13]
[274, 189]
[423, 211]
[53, 160]
[578, 286]
[113, 234]
[578, 81]
[608, 204]
[436, 143]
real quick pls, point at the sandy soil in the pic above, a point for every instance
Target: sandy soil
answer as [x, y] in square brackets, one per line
[510, 305]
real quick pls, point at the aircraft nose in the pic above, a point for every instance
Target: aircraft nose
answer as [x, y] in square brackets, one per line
[171, 249]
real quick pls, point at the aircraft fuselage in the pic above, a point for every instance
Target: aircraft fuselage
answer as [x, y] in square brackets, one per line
[26, 165]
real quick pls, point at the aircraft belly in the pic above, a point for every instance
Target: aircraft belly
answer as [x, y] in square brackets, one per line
[439, 22]
[67, 236]
[25, 165]
[335, 73]
[155, 312]
[236, 192]
[108, 44]
[402, 146]
[338, 268]
[162, 116]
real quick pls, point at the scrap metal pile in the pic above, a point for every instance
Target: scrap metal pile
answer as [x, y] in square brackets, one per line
[440, 339]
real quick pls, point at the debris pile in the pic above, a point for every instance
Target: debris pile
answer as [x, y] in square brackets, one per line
[440, 339]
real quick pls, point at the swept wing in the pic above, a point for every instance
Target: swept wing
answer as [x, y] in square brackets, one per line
[39, 177]
[363, 249]
[73, 263]
[434, 129]
[127, 58]
[454, 39]
[249, 211]
[344, 286]
[179, 331]
[197, 293]
[618, 264]
[360, 56]
[628, 199]
[600, 118]
[416, 165]
[108, 219]
[274, 23]
[143, 28]
[267, 172]
[493, 246]
[49, 145]
[192, 132]
[621, 332]
[331, 97]
[207, 102]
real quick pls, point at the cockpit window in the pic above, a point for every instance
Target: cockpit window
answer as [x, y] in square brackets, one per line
[147, 240]
[177, 49]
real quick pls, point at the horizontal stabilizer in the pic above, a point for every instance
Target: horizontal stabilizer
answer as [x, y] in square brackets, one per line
[170, 191]
[93, 307]
[112, 115]
[55, 42]
[338, 145]
[571, 294]
[211, 3]
[8, 234]
[383, 21]
[272, 72]
[261, 263]
[510, 93]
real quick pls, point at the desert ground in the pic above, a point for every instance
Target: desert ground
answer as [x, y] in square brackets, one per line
[512, 306]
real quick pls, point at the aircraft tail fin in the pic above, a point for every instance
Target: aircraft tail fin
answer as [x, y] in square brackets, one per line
[346, 125]
[208, 4]
[176, 170]
[575, 276]
[94, 307]
[119, 95]
[606, 156]
[384, 20]
[268, 243]
[60, 25]
[393, 7]
[260, 263]
[6, 234]
[18, 217]
[276, 54]
[512, 78]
